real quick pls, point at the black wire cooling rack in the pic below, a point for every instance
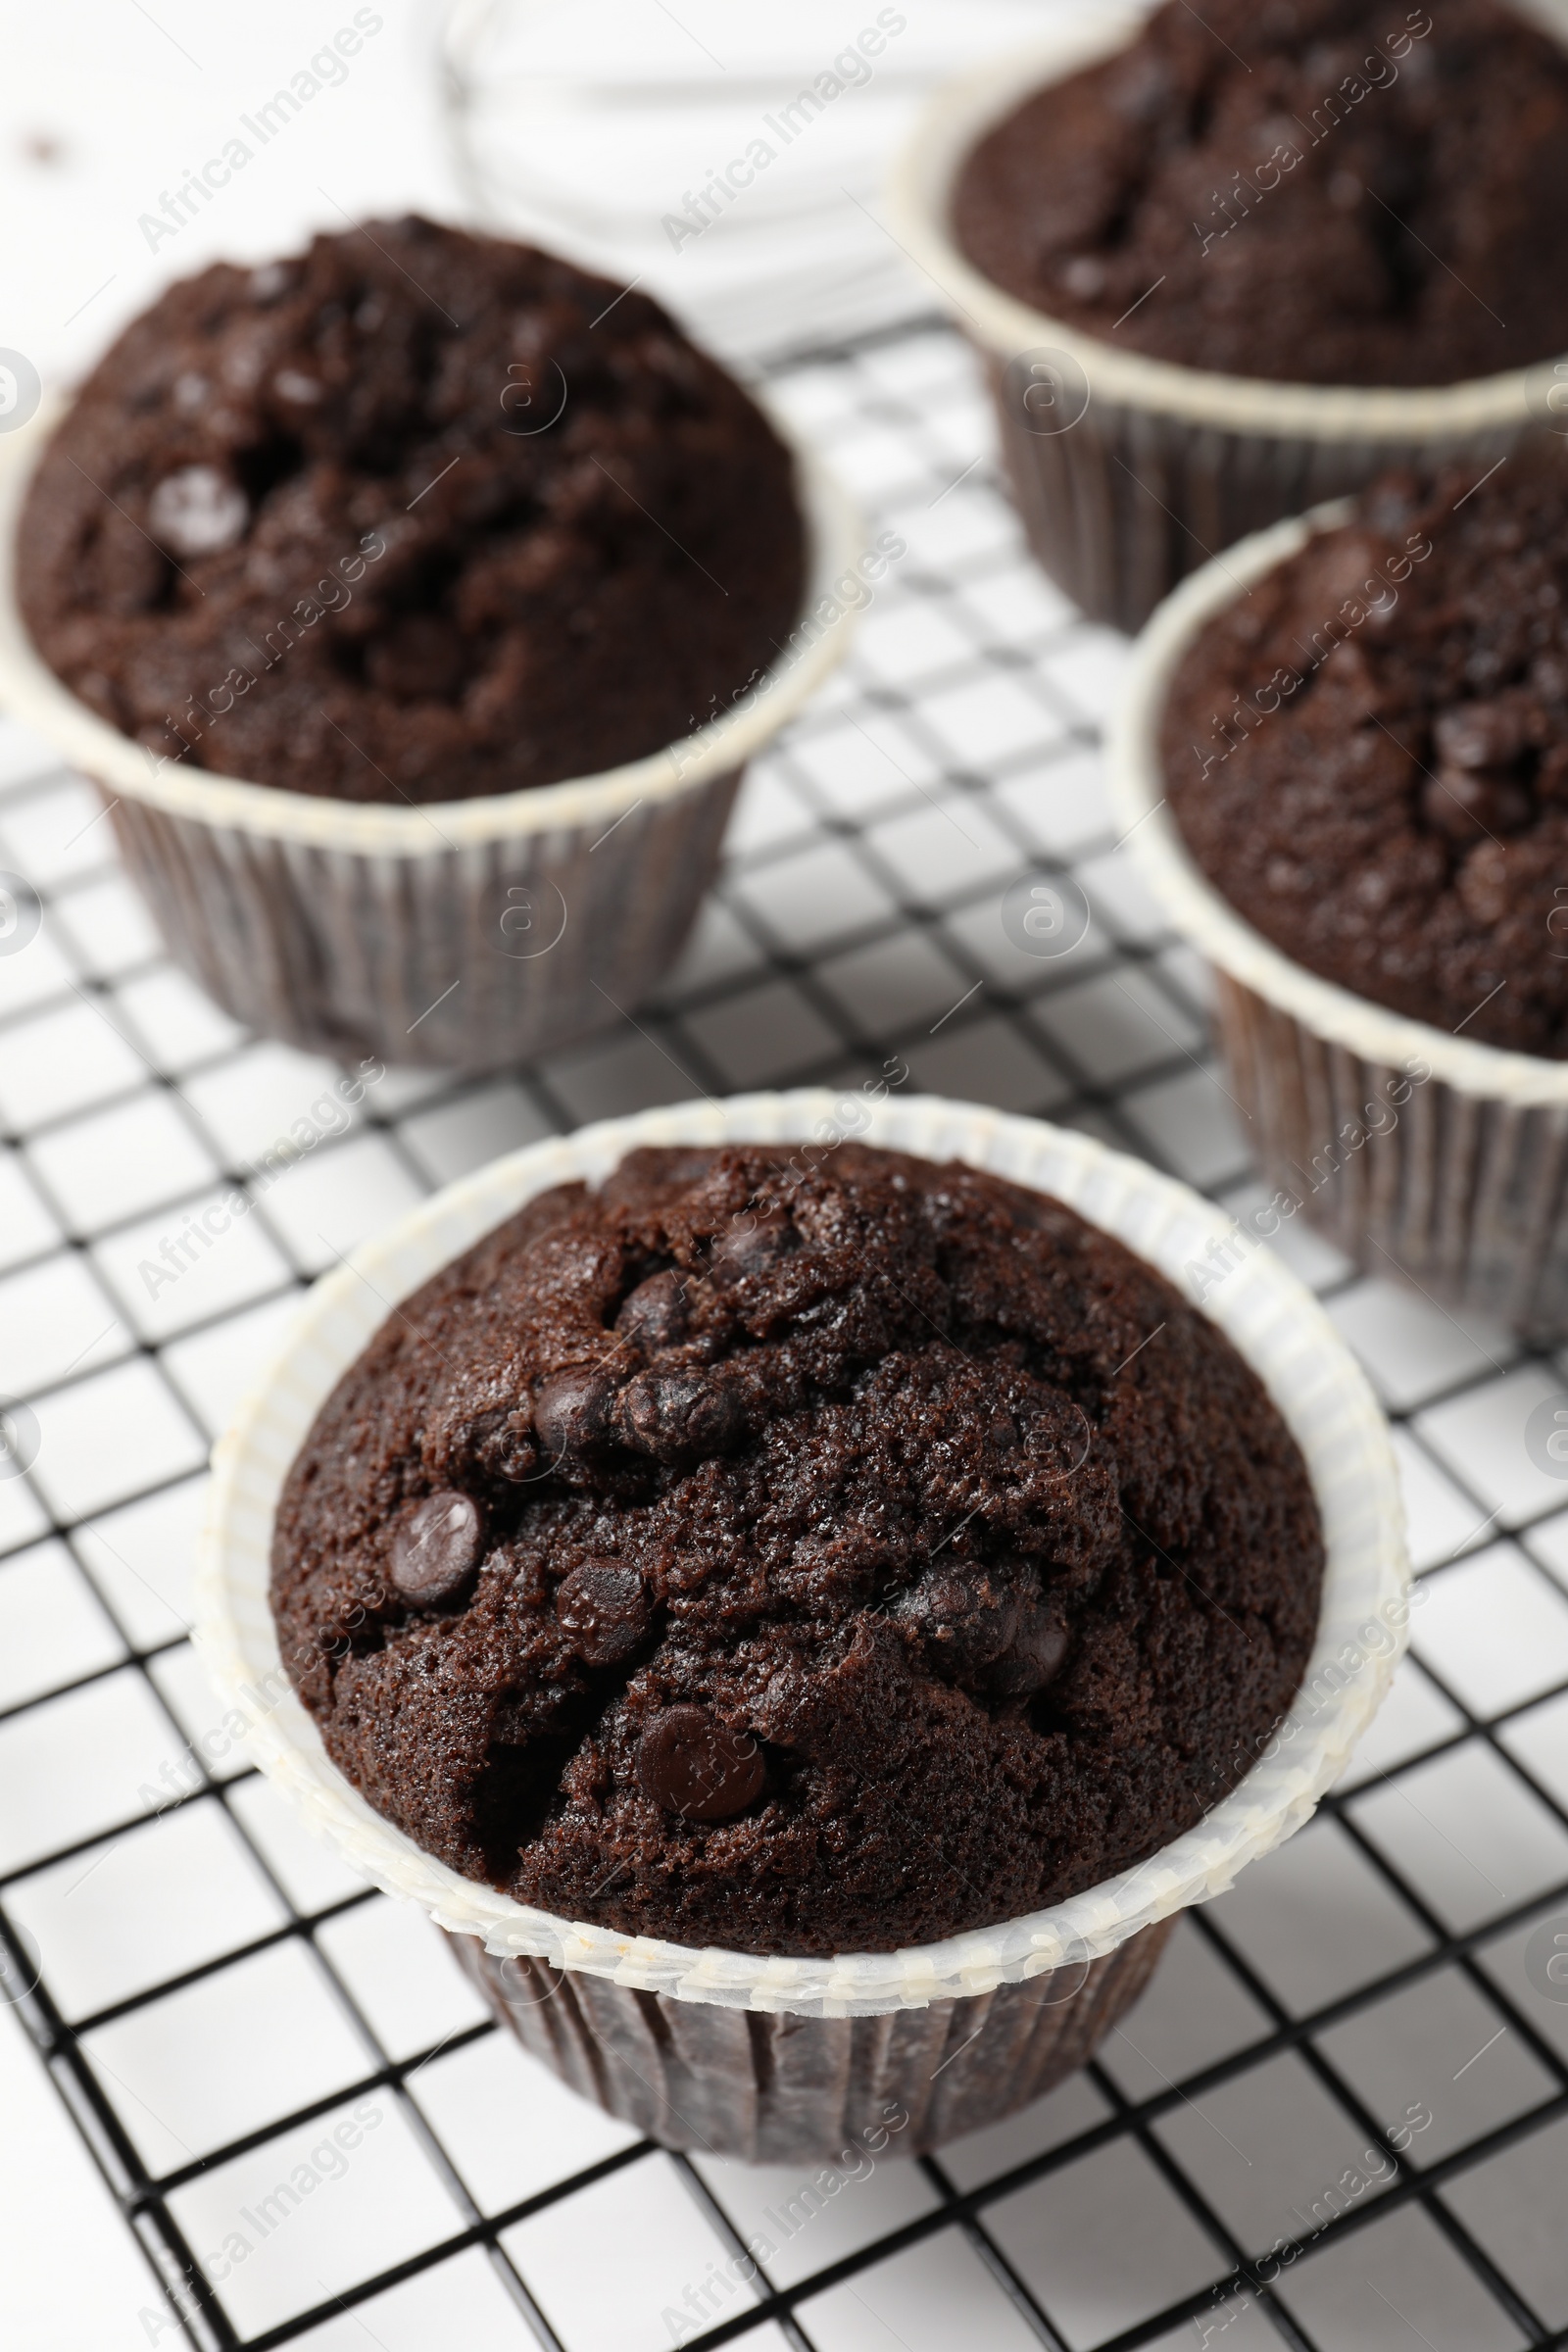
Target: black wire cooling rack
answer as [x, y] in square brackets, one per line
[1340, 2116]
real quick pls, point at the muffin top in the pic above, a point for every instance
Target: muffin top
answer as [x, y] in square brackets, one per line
[796, 1553]
[1313, 191]
[417, 516]
[1369, 753]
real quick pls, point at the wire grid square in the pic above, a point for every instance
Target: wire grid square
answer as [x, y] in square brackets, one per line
[1339, 2115]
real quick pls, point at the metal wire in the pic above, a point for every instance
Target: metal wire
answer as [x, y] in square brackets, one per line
[763, 1007]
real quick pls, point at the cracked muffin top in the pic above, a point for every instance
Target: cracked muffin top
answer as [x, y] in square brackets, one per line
[1367, 754]
[1309, 191]
[413, 516]
[795, 1552]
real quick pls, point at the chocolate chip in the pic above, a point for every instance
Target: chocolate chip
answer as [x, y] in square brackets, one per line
[1084, 275]
[270, 280]
[1033, 1657]
[572, 1411]
[653, 1315]
[964, 1617]
[436, 1550]
[1479, 735]
[678, 1416]
[197, 512]
[986, 1629]
[1466, 804]
[752, 1243]
[601, 1603]
[502, 1444]
[692, 1764]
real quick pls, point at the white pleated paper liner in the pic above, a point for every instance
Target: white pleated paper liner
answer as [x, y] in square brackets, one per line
[1378, 1036]
[1270, 1318]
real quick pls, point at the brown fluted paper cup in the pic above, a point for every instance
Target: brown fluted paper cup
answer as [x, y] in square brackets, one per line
[776, 2056]
[462, 934]
[1128, 471]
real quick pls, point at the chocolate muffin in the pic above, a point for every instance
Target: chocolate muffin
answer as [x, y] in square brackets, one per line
[1368, 754]
[796, 1554]
[1310, 191]
[417, 515]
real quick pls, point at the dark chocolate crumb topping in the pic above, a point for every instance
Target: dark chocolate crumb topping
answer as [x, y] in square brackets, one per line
[413, 515]
[872, 1550]
[1368, 754]
[1309, 191]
